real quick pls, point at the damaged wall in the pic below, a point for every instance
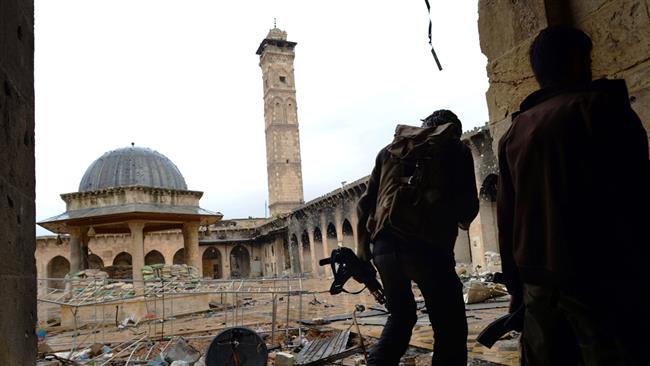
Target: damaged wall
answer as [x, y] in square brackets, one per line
[620, 30]
[17, 242]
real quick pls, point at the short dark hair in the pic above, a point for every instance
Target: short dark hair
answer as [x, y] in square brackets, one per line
[552, 51]
[440, 117]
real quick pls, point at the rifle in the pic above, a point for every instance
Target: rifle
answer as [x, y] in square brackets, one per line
[346, 264]
[503, 325]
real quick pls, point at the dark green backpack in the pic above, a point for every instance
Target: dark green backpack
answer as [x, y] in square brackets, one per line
[416, 192]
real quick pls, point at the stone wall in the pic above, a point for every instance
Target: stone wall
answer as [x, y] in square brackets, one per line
[17, 243]
[620, 30]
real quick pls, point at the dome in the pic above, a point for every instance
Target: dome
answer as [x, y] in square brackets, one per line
[132, 166]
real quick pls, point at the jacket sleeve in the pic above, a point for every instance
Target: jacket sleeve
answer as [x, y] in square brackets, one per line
[505, 222]
[467, 204]
[366, 207]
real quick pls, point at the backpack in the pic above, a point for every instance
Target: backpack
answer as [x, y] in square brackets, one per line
[415, 190]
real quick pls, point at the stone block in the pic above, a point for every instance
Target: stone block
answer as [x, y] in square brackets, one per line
[497, 130]
[17, 45]
[18, 244]
[636, 78]
[504, 98]
[620, 32]
[582, 8]
[504, 24]
[16, 135]
[284, 359]
[18, 344]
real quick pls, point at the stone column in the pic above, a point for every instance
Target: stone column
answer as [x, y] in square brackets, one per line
[137, 253]
[338, 224]
[76, 255]
[326, 248]
[84, 248]
[354, 221]
[301, 255]
[191, 244]
[315, 267]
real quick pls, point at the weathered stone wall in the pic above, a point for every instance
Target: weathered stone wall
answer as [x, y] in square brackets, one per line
[17, 243]
[620, 30]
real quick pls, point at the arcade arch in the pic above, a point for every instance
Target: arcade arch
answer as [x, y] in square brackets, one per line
[122, 259]
[212, 267]
[154, 257]
[95, 262]
[332, 240]
[240, 262]
[348, 235]
[57, 267]
[179, 257]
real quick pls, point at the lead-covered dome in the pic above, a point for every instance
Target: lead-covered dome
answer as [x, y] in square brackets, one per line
[132, 166]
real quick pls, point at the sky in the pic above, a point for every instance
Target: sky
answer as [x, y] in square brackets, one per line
[182, 78]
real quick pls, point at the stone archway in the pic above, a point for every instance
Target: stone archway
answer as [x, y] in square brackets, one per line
[95, 262]
[57, 268]
[154, 257]
[240, 262]
[318, 247]
[212, 267]
[348, 235]
[122, 259]
[306, 252]
[295, 254]
[179, 257]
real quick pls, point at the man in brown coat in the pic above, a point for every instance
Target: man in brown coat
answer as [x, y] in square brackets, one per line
[421, 189]
[573, 201]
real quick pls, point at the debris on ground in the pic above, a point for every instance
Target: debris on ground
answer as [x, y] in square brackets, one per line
[162, 336]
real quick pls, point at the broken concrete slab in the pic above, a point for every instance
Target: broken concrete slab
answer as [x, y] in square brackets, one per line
[181, 351]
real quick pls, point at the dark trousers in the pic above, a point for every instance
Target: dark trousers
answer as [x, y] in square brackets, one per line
[399, 263]
[592, 327]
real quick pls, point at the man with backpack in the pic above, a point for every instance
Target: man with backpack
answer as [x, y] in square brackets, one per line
[421, 190]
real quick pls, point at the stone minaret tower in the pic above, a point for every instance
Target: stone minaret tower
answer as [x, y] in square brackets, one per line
[283, 162]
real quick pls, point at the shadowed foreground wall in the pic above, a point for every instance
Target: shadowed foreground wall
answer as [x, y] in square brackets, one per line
[620, 30]
[17, 242]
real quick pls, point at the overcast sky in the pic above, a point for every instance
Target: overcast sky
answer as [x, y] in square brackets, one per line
[182, 78]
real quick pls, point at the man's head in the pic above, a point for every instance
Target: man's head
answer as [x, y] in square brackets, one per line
[440, 117]
[561, 56]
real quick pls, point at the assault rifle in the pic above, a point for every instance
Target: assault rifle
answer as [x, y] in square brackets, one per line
[346, 264]
[503, 325]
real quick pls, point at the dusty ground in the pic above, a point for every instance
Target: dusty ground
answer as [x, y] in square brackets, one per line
[255, 312]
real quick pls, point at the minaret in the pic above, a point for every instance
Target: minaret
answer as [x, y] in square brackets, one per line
[283, 162]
